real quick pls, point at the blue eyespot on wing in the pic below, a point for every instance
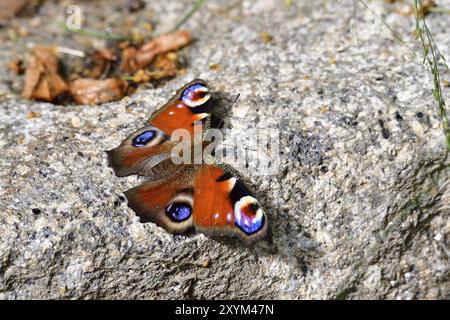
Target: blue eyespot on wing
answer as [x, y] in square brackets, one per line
[144, 138]
[178, 211]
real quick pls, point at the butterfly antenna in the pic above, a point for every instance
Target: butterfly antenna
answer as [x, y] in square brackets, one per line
[232, 104]
[245, 148]
[235, 99]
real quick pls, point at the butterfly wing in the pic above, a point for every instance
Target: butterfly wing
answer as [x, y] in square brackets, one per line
[223, 204]
[166, 202]
[150, 146]
[140, 152]
[191, 103]
[206, 197]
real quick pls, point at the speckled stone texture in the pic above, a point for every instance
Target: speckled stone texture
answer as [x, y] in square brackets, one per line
[359, 208]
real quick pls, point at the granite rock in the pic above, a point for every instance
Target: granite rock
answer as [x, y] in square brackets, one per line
[359, 208]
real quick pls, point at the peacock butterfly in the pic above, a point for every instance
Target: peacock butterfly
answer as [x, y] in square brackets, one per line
[207, 197]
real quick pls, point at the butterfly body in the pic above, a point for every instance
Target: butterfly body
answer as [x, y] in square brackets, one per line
[207, 197]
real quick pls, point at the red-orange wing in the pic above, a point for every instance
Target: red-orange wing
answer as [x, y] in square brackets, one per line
[223, 204]
[166, 202]
[146, 148]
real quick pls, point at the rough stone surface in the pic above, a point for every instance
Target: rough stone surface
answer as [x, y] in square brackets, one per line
[359, 208]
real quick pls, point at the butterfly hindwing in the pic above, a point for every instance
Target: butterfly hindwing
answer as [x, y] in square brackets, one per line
[223, 204]
[206, 197]
[166, 202]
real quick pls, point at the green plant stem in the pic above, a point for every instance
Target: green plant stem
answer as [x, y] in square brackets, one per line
[96, 34]
[396, 36]
[431, 56]
[197, 5]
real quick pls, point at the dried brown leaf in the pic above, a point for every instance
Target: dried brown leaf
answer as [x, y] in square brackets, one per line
[128, 62]
[100, 64]
[9, 8]
[42, 81]
[92, 91]
[135, 59]
[165, 66]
